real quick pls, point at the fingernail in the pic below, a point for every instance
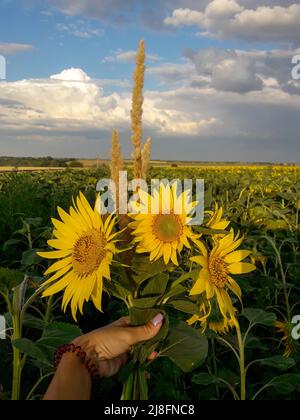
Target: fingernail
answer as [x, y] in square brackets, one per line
[157, 320]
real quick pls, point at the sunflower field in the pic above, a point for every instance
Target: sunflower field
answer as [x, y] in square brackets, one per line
[261, 202]
[229, 289]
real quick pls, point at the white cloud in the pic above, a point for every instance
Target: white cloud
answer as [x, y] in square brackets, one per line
[225, 70]
[227, 18]
[130, 55]
[11, 48]
[80, 30]
[71, 114]
[72, 99]
[170, 73]
[71, 75]
[185, 17]
[150, 12]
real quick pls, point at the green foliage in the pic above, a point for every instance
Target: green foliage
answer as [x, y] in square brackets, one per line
[54, 335]
[9, 279]
[261, 202]
[186, 347]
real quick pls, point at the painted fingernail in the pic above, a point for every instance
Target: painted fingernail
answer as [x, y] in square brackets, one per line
[157, 320]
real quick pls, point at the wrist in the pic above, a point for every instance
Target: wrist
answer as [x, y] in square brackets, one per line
[74, 353]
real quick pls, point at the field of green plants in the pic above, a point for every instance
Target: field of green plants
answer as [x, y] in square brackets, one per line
[262, 202]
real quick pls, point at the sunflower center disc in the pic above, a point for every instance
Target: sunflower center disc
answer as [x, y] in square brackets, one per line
[167, 227]
[218, 272]
[88, 252]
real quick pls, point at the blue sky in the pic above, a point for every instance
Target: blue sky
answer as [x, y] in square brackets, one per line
[218, 82]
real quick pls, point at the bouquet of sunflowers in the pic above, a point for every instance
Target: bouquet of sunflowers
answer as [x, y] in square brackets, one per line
[152, 261]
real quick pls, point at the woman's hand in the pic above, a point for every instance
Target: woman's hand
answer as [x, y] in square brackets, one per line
[109, 347]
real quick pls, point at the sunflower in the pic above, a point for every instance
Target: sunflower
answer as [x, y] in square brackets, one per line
[284, 328]
[215, 279]
[210, 317]
[216, 219]
[160, 226]
[84, 247]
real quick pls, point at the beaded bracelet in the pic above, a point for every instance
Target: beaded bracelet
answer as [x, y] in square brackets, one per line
[82, 356]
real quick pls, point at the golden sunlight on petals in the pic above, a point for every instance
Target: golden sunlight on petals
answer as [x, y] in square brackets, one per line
[86, 255]
[241, 268]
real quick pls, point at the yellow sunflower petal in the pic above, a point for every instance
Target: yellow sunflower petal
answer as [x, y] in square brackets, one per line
[167, 250]
[58, 265]
[61, 244]
[200, 285]
[97, 293]
[193, 319]
[58, 286]
[174, 257]
[200, 260]
[236, 256]
[241, 268]
[54, 255]
[58, 274]
[210, 290]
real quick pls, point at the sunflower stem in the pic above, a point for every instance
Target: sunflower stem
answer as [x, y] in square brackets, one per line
[128, 388]
[17, 363]
[48, 310]
[215, 367]
[243, 372]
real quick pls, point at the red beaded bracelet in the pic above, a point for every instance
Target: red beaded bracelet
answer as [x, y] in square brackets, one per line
[82, 356]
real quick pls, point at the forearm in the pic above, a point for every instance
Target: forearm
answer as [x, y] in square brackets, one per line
[72, 381]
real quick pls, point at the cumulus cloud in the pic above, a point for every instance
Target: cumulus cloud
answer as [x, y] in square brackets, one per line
[226, 70]
[71, 114]
[228, 19]
[72, 100]
[11, 48]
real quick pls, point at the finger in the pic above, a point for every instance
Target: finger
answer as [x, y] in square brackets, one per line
[122, 322]
[113, 366]
[124, 359]
[145, 332]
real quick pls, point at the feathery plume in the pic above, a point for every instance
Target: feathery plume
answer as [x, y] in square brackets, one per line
[117, 162]
[137, 110]
[146, 155]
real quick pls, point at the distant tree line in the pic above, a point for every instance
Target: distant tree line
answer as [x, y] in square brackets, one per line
[44, 162]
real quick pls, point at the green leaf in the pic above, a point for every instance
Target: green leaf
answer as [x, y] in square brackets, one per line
[34, 221]
[286, 384]
[145, 302]
[175, 291]
[30, 258]
[117, 290]
[57, 334]
[145, 269]
[141, 317]
[255, 343]
[185, 306]
[156, 285]
[9, 279]
[33, 322]
[191, 275]
[10, 243]
[259, 316]
[279, 362]
[54, 336]
[186, 347]
[204, 379]
[31, 349]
